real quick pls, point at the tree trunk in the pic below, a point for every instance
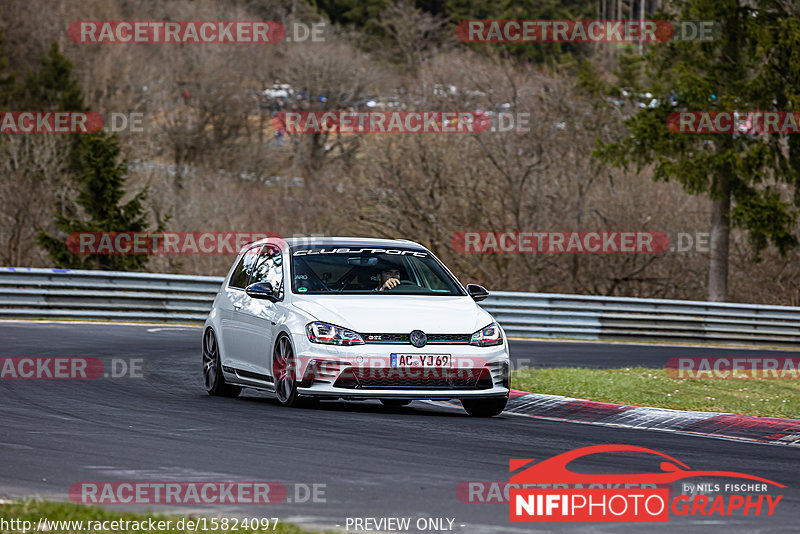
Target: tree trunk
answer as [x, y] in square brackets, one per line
[720, 241]
[641, 22]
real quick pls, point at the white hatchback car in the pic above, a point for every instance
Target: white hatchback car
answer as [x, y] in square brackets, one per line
[353, 318]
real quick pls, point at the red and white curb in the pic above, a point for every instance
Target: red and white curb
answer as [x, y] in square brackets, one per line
[723, 425]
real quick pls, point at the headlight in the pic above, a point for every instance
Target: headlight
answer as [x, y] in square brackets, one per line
[328, 334]
[487, 336]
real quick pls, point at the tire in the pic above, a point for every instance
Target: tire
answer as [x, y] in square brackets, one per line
[212, 369]
[284, 373]
[485, 407]
[395, 403]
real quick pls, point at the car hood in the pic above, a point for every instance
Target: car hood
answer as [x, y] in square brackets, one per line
[397, 314]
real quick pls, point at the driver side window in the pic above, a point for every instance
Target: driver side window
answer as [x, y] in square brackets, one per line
[269, 268]
[244, 269]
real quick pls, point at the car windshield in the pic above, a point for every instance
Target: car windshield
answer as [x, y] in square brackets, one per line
[366, 270]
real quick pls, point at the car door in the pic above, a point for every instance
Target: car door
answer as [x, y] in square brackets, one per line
[232, 318]
[259, 317]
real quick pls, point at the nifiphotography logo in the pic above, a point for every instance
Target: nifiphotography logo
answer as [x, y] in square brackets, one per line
[564, 495]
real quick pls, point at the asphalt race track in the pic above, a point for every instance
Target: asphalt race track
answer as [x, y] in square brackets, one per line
[373, 462]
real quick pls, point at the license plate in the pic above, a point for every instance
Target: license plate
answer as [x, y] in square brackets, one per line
[421, 360]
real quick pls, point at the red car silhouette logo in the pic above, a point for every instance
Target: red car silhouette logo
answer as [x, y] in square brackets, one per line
[554, 470]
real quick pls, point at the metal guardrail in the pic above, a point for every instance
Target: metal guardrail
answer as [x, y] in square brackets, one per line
[166, 298]
[105, 295]
[627, 319]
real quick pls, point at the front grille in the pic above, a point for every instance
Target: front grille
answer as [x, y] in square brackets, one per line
[382, 378]
[385, 338]
[442, 339]
[449, 338]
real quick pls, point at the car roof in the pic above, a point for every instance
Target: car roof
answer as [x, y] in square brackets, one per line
[316, 241]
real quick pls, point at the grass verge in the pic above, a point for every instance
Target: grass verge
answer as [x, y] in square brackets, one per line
[640, 386]
[34, 511]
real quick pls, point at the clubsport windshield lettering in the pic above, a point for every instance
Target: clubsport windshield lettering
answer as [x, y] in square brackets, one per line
[391, 251]
[378, 271]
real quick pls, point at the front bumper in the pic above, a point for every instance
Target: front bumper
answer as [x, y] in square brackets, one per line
[364, 372]
[417, 394]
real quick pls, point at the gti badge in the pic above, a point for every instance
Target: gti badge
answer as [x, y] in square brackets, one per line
[418, 338]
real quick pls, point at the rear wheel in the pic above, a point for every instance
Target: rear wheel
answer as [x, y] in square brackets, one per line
[395, 403]
[485, 407]
[212, 369]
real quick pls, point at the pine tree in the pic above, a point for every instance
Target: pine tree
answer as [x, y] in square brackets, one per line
[97, 171]
[53, 87]
[100, 175]
[750, 65]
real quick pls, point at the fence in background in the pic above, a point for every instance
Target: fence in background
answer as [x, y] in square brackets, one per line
[632, 319]
[165, 298]
[105, 295]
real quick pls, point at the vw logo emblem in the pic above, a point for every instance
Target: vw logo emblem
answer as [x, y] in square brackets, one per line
[418, 338]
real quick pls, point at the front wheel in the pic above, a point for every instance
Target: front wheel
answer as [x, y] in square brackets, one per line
[212, 369]
[485, 407]
[284, 371]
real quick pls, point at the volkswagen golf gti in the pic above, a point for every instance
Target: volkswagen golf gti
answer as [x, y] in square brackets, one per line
[309, 319]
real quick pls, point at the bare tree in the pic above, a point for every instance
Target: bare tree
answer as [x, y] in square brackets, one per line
[32, 180]
[413, 33]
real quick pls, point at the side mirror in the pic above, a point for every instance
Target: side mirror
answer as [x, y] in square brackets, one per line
[478, 293]
[261, 290]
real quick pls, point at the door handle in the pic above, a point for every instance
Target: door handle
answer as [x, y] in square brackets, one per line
[237, 305]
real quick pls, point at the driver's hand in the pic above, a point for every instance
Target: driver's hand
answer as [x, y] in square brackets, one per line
[389, 284]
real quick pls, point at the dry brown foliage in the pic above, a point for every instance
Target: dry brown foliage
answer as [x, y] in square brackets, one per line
[209, 156]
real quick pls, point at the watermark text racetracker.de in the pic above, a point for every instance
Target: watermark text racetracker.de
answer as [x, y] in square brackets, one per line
[150, 524]
[401, 122]
[194, 32]
[70, 122]
[196, 492]
[736, 368]
[585, 31]
[68, 368]
[552, 242]
[50, 122]
[734, 122]
[578, 242]
[163, 243]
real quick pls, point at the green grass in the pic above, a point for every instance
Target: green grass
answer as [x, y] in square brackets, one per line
[639, 386]
[663, 342]
[34, 510]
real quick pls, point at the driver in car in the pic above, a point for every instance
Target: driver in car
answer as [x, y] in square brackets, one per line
[388, 279]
